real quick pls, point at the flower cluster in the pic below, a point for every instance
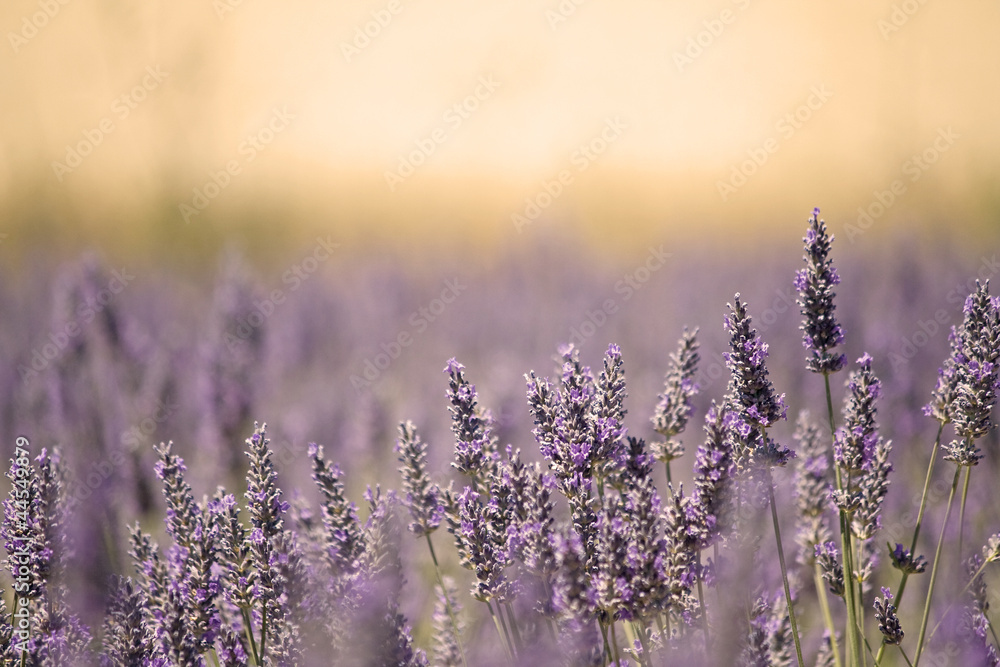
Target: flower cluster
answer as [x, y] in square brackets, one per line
[821, 332]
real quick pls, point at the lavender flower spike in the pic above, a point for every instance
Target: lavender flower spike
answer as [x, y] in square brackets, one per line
[674, 408]
[821, 332]
[976, 376]
[474, 446]
[423, 497]
[888, 622]
[749, 385]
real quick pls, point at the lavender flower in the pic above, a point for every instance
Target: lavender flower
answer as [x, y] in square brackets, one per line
[674, 408]
[447, 643]
[343, 539]
[423, 497]
[854, 443]
[946, 390]
[828, 557]
[976, 376]
[609, 414]
[812, 487]
[125, 638]
[821, 332]
[484, 557]
[751, 392]
[888, 622]
[474, 447]
[872, 487]
[903, 560]
[713, 476]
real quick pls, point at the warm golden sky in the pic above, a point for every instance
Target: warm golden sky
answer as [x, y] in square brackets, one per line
[672, 98]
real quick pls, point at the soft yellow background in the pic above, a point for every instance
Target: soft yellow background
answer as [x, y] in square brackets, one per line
[559, 82]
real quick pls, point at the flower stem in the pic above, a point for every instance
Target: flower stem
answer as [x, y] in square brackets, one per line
[824, 605]
[920, 512]
[447, 600]
[961, 510]
[500, 632]
[934, 568]
[781, 560]
[614, 644]
[247, 623]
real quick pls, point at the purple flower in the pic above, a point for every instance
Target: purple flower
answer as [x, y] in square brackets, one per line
[821, 332]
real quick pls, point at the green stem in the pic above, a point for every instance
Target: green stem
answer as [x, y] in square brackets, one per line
[669, 480]
[647, 657]
[845, 549]
[607, 648]
[824, 605]
[614, 644]
[829, 404]
[506, 632]
[701, 603]
[263, 629]
[514, 629]
[501, 633]
[920, 512]
[247, 623]
[961, 510]
[934, 568]
[781, 560]
[447, 600]
[904, 655]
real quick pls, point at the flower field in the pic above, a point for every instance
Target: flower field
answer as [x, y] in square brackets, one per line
[778, 458]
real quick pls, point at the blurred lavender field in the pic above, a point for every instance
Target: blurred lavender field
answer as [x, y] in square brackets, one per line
[105, 361]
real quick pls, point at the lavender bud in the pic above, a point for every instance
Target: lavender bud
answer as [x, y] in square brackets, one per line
[674, 408]
[423, 497]
[888, 622]
[821, 332]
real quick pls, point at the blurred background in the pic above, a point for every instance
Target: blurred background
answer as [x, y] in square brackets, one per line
[408, 124]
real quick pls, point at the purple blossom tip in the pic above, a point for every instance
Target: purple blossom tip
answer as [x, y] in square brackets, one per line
[452, 366]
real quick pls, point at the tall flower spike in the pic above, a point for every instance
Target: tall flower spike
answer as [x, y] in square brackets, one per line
[473, 446]
[674, 408]
[749, 385]
[812, 487]
[888, 622]
[854, 443]
[423, 497]
[609, 414]
[821, 332]
[976, 376]
[343, 540]
[713, 471]
[751, 392]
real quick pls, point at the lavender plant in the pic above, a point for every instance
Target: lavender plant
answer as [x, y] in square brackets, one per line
[577, 550]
